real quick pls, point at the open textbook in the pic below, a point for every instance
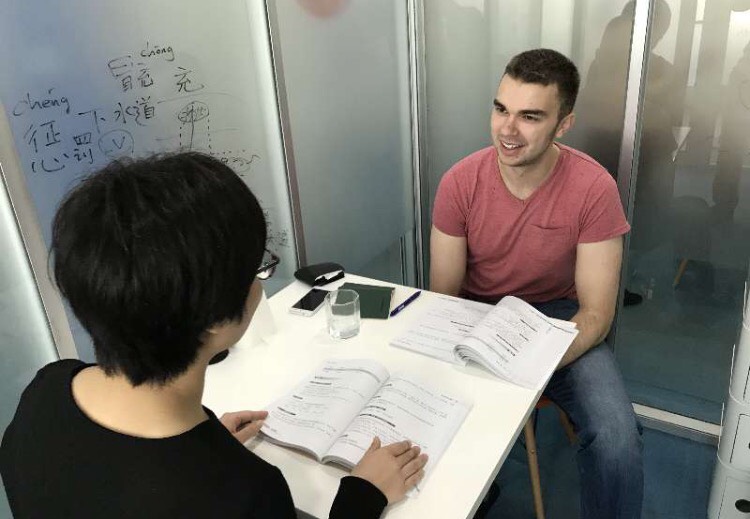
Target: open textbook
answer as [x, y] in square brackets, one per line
[337, 410]
[512, 339]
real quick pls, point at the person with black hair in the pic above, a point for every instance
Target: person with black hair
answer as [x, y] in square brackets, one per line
[536, 219]
[159, 259]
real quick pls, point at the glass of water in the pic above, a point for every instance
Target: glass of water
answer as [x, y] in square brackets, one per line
[342, 310]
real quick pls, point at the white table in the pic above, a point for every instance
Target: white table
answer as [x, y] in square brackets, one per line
[258, 372]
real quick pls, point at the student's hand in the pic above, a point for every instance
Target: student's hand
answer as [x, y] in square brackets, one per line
[394, 469]
[243, 424]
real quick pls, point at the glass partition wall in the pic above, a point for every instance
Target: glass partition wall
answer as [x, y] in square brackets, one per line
[344, 81]
[690, 243]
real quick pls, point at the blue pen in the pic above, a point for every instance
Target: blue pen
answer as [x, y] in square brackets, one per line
[406, 303]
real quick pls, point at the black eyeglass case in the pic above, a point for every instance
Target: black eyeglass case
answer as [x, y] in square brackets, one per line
[320, 273]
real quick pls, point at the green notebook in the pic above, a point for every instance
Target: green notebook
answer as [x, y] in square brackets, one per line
[374, 301]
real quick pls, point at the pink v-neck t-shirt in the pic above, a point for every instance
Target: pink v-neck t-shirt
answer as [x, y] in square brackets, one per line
[527, 248]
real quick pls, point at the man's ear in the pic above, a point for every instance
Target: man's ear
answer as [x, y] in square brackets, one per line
[565, 125]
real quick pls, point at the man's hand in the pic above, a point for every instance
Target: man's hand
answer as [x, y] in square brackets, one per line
[393, 469]
[243, 424]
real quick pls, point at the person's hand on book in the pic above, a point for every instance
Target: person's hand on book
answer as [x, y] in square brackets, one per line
[393, 469]
[243, 424]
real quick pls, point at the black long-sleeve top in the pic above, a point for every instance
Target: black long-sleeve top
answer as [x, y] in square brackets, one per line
[56, 462]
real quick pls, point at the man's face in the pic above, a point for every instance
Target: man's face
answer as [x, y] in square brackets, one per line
[524, 121]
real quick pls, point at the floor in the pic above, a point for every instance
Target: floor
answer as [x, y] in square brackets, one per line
[677, 474]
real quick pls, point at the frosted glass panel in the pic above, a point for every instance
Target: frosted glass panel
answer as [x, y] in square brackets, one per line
[25, 339]
[689, 246]
[345, 70]
[94, 81]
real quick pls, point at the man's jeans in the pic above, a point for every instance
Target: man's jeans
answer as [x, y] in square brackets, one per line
[590, 390]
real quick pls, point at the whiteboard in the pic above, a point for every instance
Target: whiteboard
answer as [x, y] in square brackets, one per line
[86, 82]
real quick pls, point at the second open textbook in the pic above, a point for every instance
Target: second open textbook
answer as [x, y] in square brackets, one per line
[512, 339]
[335, 412]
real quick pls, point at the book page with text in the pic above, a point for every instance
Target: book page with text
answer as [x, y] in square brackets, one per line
[518, 343]
[404, 408]
[318, 409]
[443, 325]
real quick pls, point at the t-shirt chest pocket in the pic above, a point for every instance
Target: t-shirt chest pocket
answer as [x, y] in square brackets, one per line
[548, 245]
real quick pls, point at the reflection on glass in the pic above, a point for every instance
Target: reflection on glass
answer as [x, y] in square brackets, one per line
[691, 217]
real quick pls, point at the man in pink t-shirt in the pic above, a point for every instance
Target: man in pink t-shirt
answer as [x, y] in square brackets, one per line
[541, 221]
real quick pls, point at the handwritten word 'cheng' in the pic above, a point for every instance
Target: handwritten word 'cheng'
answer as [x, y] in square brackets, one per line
[33, 104]
[156, 50]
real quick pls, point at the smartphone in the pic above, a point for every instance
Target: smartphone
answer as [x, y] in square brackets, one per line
[310, 302]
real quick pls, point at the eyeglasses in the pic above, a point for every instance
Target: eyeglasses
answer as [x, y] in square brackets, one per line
[268, 265]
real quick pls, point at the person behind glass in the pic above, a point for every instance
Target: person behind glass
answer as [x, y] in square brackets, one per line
[602, 103]
[158, 260]
[533, 218]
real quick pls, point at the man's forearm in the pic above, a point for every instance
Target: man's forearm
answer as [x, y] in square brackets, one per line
[592, 329]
